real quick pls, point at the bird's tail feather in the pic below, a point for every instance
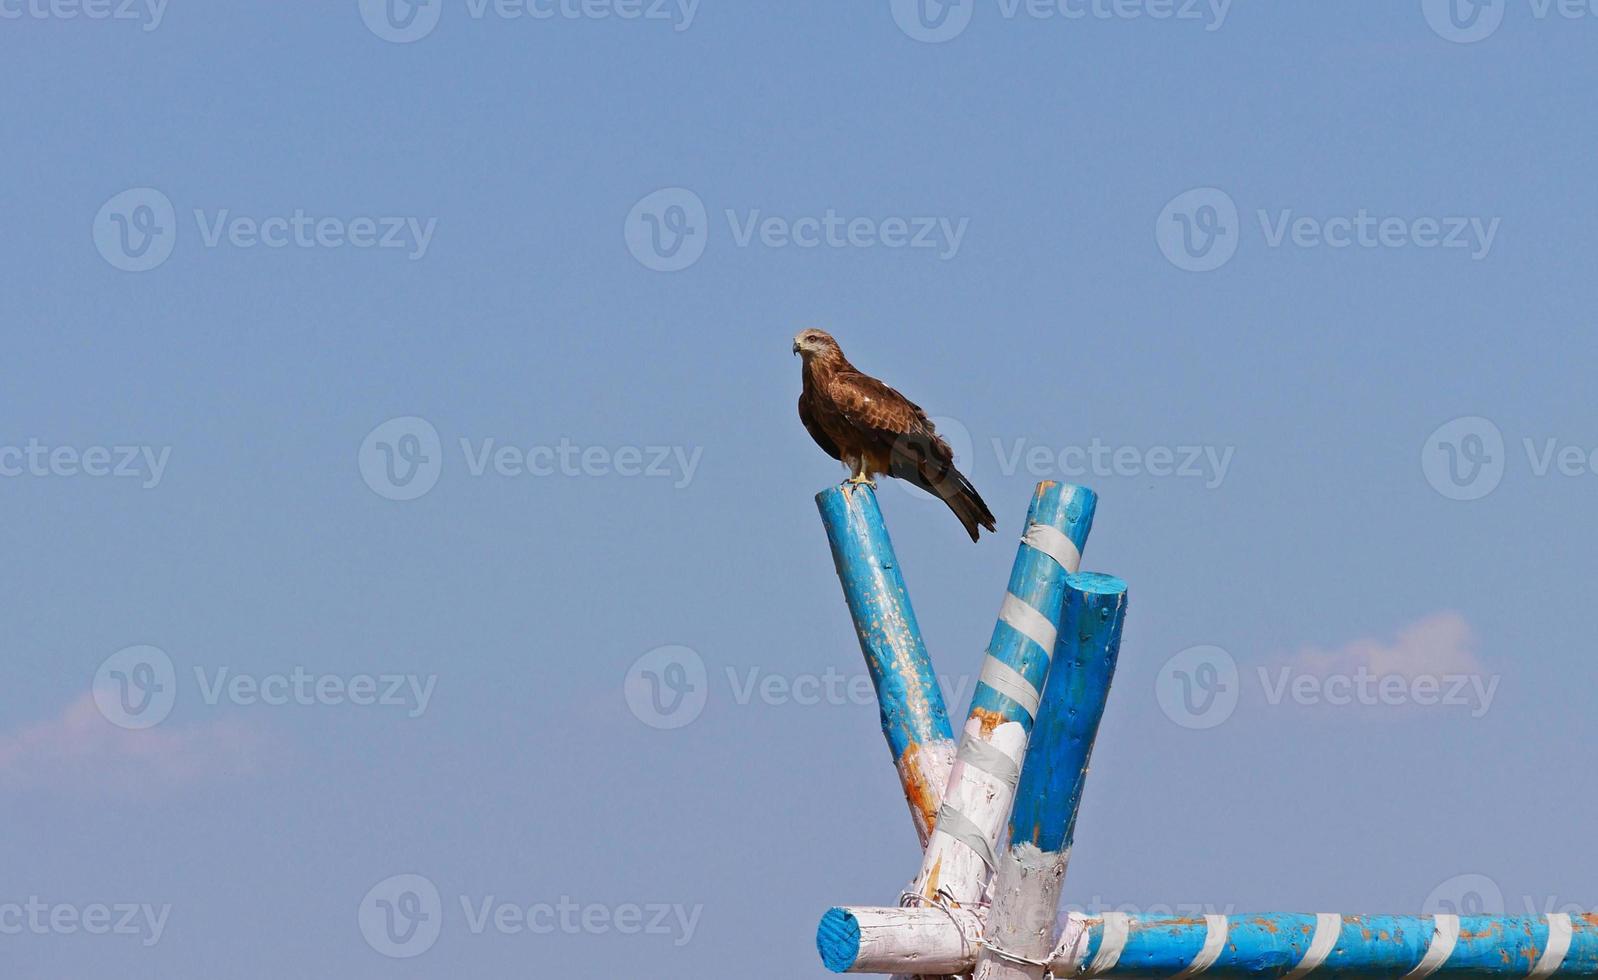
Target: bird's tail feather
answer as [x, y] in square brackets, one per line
[942, 480]
[966, 503]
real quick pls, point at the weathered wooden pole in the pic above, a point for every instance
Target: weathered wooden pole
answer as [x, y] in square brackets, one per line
[1026, 888]
[1270, 946]
[960, 856]
[914, 719]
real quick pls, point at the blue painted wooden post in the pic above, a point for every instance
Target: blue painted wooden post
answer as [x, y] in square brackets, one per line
[960, 855]
[1031, 873]
[1288, 945]
[914, 718]
[1268, 946]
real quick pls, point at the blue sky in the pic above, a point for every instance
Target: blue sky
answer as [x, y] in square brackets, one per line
[1300, 290]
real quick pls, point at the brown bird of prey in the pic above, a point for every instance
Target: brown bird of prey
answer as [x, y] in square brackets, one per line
[873, 429]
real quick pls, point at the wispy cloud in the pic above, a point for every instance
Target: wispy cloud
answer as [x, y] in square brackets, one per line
[1433, 646]
[81, 751]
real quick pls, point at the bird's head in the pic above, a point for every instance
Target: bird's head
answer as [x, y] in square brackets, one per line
[812, 343]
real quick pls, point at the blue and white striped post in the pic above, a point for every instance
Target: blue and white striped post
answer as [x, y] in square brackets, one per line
[1269, 946]
[1026, 888]
[960, 856]
[914, 718]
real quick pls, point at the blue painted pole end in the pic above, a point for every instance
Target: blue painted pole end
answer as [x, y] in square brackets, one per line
[838, 940]
[1095, 583]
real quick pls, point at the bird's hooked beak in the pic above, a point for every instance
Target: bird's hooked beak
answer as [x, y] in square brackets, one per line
[796, 347]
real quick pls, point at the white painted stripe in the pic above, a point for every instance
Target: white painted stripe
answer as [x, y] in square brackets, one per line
[1328, 925]
[1117, 927]
[1029, 622]
[1053, 542]
[1445, 934]
[1008, 681]
[1215, 927]
[1559, 932]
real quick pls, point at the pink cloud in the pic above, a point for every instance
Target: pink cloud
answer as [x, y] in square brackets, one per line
[1436, 645]
[80, 750]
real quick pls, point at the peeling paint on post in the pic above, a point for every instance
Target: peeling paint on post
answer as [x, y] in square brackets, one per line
[1031, 872]
[1269, 946]
[914, 718]
[981, 785]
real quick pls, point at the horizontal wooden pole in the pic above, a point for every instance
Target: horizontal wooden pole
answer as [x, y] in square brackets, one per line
[1268, 946]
